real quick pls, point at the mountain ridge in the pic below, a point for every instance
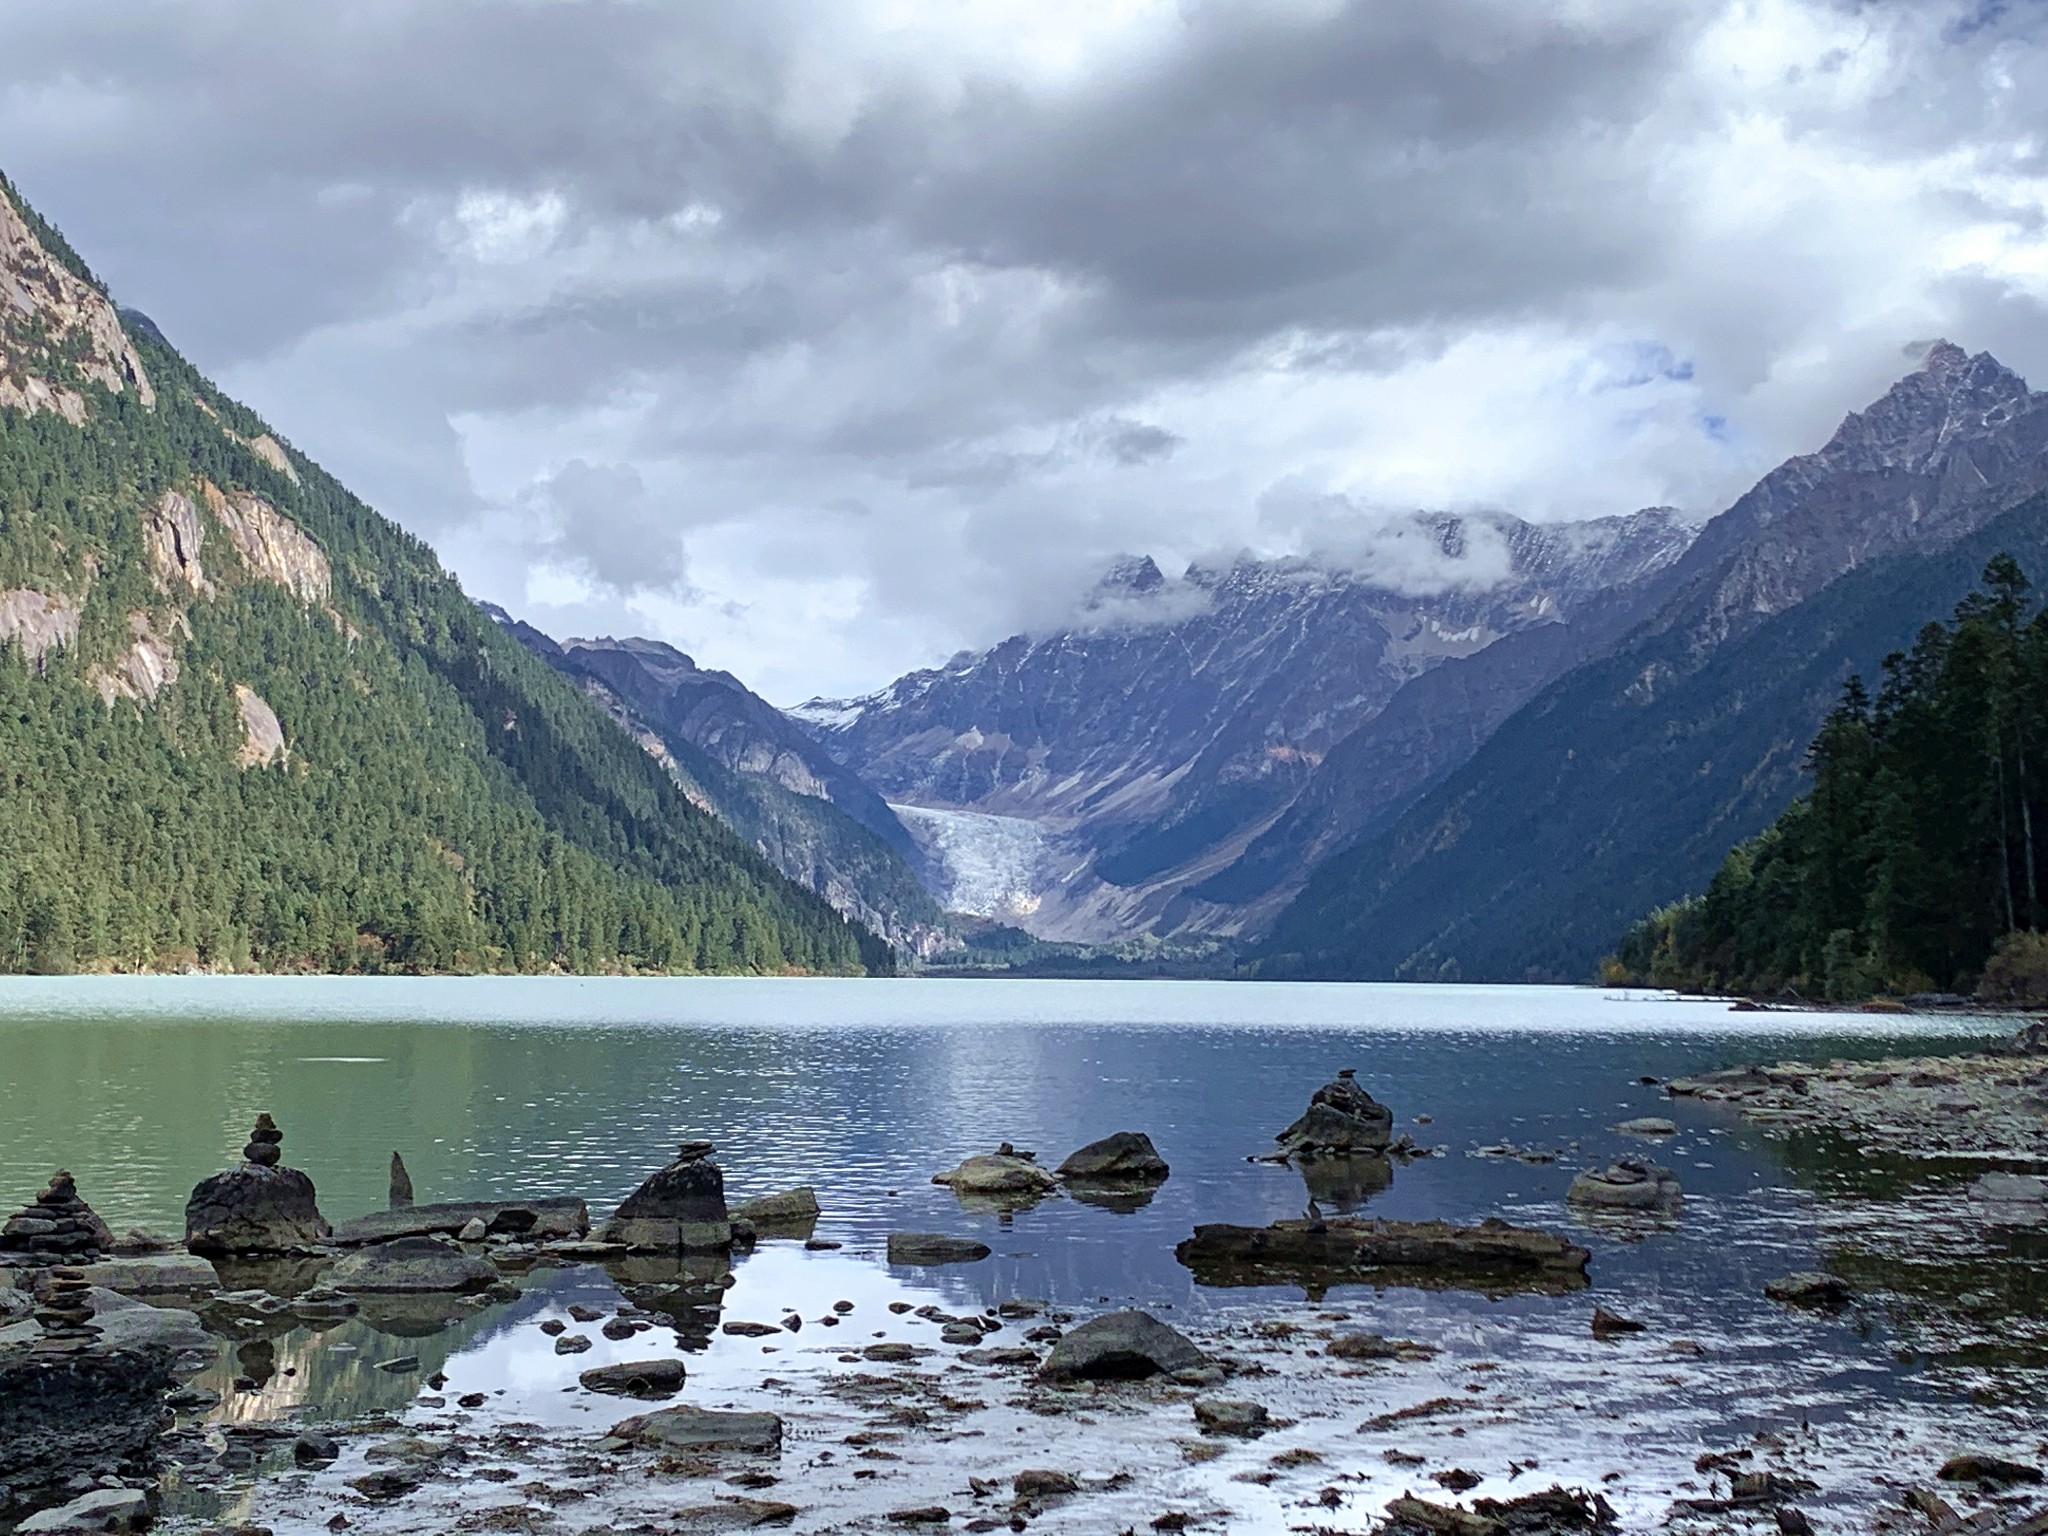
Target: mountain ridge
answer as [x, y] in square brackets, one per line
[1517, 862]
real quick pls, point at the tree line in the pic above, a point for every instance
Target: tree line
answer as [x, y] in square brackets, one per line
[1917, 860]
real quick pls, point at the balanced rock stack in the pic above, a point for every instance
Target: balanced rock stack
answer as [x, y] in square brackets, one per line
[1341, 1119]
[681, 1208]
[57, 1228]
[64, 1311]
[260, 1207]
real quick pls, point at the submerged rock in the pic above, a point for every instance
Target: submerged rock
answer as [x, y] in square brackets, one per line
[165, 1275]
[1627, 1185]
[259, 1207]
[636, 1378]
[1341, 1118]
[1812, 1290]
[1994, 1470]
[537, 1221]
[929, 1248]
[1492, 1257]
[1123, 1157]
[680, 1207]
[702, 1430]
[411, 1264]
[1121, 1346]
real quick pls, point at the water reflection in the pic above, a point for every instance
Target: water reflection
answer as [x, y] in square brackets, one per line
[1343, 1184]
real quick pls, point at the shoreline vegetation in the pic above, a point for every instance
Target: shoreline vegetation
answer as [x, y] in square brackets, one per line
[1911, 870]
[978, 1420]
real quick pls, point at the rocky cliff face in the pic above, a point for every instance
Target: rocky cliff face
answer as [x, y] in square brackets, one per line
[1623, 785]
[1152, 741]
[736, 756]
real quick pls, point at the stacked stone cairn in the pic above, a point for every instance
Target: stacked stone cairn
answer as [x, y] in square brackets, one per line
[679, 1208]
[64, 1312]
[257, 1207]
[57, 1228]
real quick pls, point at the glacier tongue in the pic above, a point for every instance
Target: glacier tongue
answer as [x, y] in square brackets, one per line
[989, 866]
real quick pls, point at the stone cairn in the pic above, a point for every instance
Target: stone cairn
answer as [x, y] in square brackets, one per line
[266, 1144]
[57, 1228]
[64, 1312]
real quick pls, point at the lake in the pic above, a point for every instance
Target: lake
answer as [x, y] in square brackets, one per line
[864, 1089]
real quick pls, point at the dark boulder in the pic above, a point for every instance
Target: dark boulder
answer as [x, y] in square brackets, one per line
[928, 1248]
[636, 1378]
[680, 1207]
[1125, 1157]
[260, 1207]
[1121, 1346]
[1493, 1257]
[701, 1431]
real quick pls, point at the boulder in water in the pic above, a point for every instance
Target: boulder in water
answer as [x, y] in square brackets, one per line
[680, 1207]
[1627, 1186]
[1122, 1158]
[259, 1207]
[1004, 1174]
[791, 1208]
[401, 1184]
[1341, 1118]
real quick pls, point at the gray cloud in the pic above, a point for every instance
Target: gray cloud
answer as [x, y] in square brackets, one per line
[906, 328]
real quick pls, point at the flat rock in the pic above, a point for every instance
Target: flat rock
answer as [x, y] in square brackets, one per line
[171, 1274]
[1492, 1257]
[534, 1220]
[1120, 1346]
[1627, 1185]
[1648, 1125]
[411, 1264]
[1124, 1157]
[702, 1430]
[1229, 1416]
[790, 1208]
[996, 1174]
[636, 1378]
[104, 1509]
[929, 1248]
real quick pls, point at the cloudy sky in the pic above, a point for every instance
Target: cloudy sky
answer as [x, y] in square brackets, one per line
[826, 337]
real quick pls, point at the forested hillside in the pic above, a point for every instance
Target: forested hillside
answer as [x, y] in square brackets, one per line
[1914, 855]
[247, 722]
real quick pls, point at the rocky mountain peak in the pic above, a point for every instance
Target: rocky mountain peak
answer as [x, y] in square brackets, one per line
[1951, 397]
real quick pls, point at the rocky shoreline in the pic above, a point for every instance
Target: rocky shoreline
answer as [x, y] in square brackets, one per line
[877, 1415]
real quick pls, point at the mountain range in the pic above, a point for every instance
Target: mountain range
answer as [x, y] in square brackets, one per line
[1131, 759]
[245, 722]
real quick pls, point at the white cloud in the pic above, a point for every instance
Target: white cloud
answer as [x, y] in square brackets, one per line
[877, 330]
